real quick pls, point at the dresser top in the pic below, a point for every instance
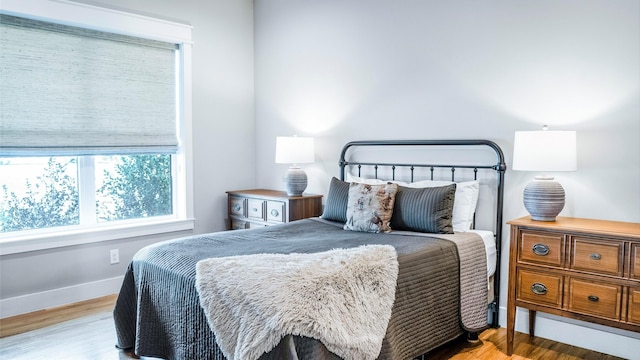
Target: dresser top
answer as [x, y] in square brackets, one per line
[562, 223]
[266, 193]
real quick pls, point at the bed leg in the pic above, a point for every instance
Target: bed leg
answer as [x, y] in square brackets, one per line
[472, 337]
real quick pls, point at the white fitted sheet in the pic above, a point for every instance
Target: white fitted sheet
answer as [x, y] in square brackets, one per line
[490, 247]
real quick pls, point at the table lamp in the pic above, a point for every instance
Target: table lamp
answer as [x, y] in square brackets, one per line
[294, 150]
[543, 151]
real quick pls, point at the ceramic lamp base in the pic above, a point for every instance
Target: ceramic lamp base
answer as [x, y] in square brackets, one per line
[295, 181]
[543, 198]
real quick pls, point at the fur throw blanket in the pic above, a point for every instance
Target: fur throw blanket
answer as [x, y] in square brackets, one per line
[342, 297]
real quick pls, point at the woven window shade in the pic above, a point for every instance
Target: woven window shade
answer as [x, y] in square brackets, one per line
[72, 91]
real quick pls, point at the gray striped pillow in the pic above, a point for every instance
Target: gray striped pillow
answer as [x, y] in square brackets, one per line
[335, 208]
[426, 210]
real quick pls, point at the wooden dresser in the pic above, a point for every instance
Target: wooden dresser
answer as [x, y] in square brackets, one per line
[259, 207]
[577, 268]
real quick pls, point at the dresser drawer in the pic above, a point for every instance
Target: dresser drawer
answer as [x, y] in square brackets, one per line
[276, 211]
[541, 248]
[253, 225]
[540, 288]
[635, 262]
[598, 256]
[236, 206]
[255, 209]
[593, 298]
[633, 315]
[239, 224]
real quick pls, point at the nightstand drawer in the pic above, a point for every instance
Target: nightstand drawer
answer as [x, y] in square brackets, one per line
[540, 288]
[599, 299]
[253, 225]
[635, 262]
[634, 306]
[541, 248]
[276, 211]
[255, 209]
[238, 224]
[236, 206]
[598, 256]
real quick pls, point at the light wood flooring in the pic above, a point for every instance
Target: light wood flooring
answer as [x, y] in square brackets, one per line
[85, 331]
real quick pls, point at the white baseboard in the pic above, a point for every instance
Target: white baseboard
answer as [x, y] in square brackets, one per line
[590, 336]
[57, 297]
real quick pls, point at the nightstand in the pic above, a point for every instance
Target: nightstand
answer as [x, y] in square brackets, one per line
[260, 207]
[577, 268]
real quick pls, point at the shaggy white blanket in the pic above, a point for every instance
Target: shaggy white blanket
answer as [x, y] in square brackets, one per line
[342, 297]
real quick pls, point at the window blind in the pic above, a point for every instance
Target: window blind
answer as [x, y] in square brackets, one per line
[66, 90]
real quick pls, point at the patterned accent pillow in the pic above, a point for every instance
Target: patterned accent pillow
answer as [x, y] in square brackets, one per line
[428, 210]
[335, 208]
[370, 207]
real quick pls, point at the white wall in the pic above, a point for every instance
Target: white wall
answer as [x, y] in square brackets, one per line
[224, 157]
[381, 69]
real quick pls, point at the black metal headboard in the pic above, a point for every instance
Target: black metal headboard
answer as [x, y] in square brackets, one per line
[499, 167]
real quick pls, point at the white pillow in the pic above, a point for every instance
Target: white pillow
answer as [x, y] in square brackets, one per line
[357, 179]
[464, 204]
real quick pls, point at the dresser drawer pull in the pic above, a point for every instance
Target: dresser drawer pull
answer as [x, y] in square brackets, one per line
[593, 298]
[595, 256]
[237, 207]
[255, 209]
[540, 249]
[538, 289]
[274, 212]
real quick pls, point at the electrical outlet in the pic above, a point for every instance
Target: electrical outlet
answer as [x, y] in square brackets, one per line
[114, 256]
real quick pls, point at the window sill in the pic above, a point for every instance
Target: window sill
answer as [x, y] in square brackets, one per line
[60, 238]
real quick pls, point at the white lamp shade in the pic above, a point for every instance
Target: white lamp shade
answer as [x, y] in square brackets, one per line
[294, 150]
[545, 151]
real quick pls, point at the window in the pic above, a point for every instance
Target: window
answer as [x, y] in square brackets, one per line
[93, 123]
[40, 193]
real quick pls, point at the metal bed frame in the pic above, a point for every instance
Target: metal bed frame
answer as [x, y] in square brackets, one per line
[499, 167]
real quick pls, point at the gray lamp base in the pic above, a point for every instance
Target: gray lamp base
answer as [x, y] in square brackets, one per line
[295, 181]
[543, 198]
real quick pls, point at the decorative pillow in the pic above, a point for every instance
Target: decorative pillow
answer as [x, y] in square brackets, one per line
[464, 206]
[427, 210]
[335, 208]
[370, 207]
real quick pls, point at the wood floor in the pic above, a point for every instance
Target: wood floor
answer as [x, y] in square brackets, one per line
[85, 331]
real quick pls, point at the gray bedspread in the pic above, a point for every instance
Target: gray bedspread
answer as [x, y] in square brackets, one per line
[158, 313]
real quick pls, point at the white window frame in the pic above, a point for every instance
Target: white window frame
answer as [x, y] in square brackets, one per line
[117, 21]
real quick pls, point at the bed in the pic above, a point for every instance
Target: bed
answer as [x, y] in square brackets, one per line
[442, 285]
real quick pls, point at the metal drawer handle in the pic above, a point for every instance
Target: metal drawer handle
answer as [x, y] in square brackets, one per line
[274, 212]
[595, 256]
[593, 298]
[538, 289]
[255, 209]
[237, 207]
[540, 249]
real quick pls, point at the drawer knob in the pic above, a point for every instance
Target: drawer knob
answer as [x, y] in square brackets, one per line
[595, 256]
[540, 249]
[538, 289]
[274, 212]
[593, 298]
[255, 209]
[237, 207]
